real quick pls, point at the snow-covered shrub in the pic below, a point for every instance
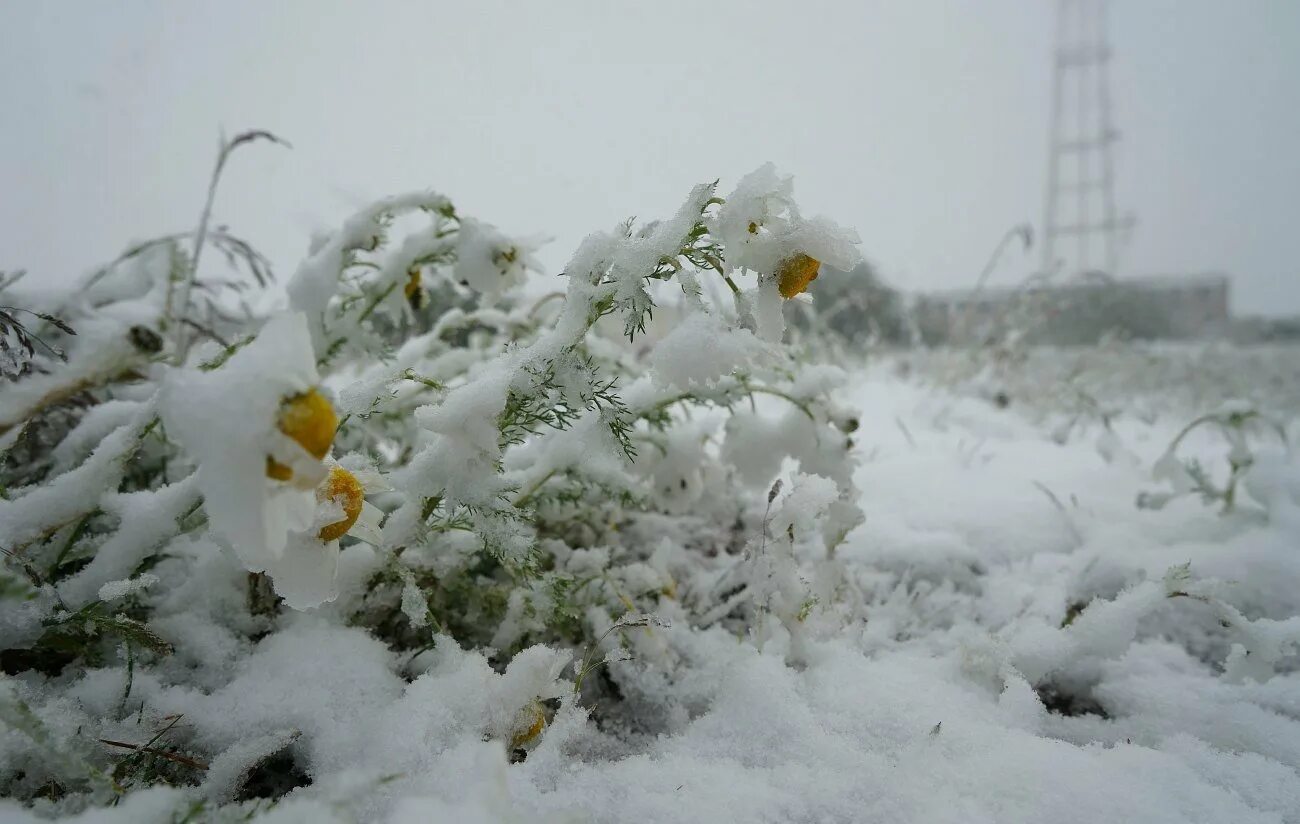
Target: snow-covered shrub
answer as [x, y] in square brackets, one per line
[414, 456]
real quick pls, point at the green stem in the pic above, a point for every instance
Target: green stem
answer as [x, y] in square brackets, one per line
[763, 390]
[412, 375]
[365, 313]
[532, 490]
[543, 300]
[67, 545]
[1173, 445]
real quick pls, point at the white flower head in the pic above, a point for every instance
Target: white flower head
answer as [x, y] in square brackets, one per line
[305, 574]
[227, 421]
[491, 263]
[760, 226]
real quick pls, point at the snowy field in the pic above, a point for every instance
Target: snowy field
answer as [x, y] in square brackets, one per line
[982, 537]
[952, 609]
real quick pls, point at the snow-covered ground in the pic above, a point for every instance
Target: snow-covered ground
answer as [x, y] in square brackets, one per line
[1029, 646]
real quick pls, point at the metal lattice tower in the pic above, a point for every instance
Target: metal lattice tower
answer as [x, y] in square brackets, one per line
[1081, 229]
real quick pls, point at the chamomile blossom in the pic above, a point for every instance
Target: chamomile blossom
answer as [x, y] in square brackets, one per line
[489, 262]
[762, 230]
[231, 420]
[305, 574]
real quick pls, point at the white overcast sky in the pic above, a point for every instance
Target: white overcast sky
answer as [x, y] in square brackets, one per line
[921, 123]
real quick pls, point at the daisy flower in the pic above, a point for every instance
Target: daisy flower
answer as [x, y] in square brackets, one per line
[257, 428]
[305, 574]
[489, 262]
[762, 230]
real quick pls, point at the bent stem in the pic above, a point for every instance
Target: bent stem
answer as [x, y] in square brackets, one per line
[180, 305]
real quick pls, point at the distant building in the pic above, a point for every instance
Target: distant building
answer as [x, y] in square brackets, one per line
[1258, 329]
[1080, 310]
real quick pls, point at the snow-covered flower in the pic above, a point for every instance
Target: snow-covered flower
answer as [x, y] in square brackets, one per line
[229, 420]
[761, 228]
[305, 573]
[489, 262]
[796, 273]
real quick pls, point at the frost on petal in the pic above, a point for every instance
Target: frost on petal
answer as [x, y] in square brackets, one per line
[760, 226]
[758, 197]
[368, 525]
[532, 673]
[824, 240]
[753, 218]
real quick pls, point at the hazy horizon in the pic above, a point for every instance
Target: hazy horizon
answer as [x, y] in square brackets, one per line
[922, 125]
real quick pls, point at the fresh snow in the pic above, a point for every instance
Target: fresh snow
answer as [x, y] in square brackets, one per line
[620, 565]
[980, 531]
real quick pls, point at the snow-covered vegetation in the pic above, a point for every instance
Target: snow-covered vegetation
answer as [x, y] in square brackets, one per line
[422, 542]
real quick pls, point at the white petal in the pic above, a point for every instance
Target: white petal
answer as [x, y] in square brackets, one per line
[286, 510]
[305, 574]
[371, 479]
[366, 526]
[225, 420]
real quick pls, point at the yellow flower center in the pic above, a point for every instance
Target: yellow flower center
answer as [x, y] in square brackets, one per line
[795, 273]
[412, 288]
[528, 724]
[343, 488]
[309, 420]
[669, 590]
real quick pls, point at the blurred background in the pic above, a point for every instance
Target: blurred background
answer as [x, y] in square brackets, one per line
[927, 125]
